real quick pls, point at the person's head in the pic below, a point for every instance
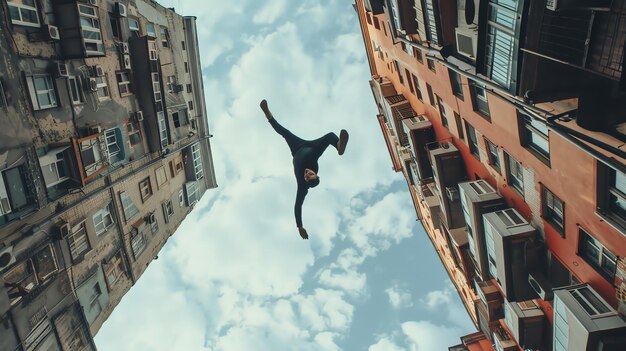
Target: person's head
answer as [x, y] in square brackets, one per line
[312, 179]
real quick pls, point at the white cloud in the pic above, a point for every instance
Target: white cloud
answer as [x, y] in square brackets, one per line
[270, 12]
[385, 344]
[426, 336]
[399, 298]
[447, 301]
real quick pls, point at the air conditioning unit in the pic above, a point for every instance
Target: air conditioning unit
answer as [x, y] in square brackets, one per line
[502, 341]
[541, 285]
[490, 298]
[452, 193]
[139, 116]
[448, 170]
[93, 84]
[120, 9]
[134, 231]
[125, 61]
[177, 88]
[62, 70]
[97, 71]
[6, 257]
[466, 41]
[52, 32]
[123, 48]
[478, 198]
[507, 235]
[420, 132]
[596, 5]
[93, 2]
[525, 321]
[151, 218]
[5, 204]
[584, 321]
[429, 194]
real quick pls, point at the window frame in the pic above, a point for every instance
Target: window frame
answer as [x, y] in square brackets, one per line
[168, 210]
[132, 129]
[418, 54]
[129, 208]
[472, 140]
[442, 112]
[528, 130]
[145, 184]
[75, 89]
[50, 91]
[160, 173]
[21, 7]
[459, 125]
[137, 241]
[492, 150]
[127, 83]
[597, 263]
[134, 31]
[509, 161]
[431, 65]
[609, 195]
[431, 95]
[418, 90]
[102, 86]
[480, 100]
[71, 239]
[151, 34]
[548, 201]
[103, 213]
[94, 26]
[165, 36]
[456, 84]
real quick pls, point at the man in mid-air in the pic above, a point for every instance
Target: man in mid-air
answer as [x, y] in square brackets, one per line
[305, 155]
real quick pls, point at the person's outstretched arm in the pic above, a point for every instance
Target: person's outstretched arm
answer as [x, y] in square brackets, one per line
[300, 195]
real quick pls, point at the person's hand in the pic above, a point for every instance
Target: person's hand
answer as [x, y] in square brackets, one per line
[303, 233]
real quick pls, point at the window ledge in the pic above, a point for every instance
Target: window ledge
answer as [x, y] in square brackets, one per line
[612, 222]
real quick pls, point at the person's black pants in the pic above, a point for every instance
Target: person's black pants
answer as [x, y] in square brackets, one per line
[319, 145]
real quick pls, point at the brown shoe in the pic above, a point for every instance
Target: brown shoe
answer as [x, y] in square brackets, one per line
[343, 141]
[266, 109]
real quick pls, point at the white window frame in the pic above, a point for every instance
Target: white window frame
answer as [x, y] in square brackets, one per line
[92, 27]
[150, 33]
[145, 189]
[181, 198]
[49, 91]
[102, 86]
[100, 219]
[168, 210]
[136, 29]
[123, 80]
[163, 136]
[196, 156]
[138, 244]
[20, 7]
[128, 206]
[164, 32]
[113, 145]
[78, 241]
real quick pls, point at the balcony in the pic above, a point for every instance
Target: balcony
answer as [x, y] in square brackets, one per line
[525, 321]
[448, 171]
[17, 195]
[420, 133]
[192, 158]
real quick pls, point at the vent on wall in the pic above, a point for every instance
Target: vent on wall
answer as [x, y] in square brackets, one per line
[466, 40]
[6, 257]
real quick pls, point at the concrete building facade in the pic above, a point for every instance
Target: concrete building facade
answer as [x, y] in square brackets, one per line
[506, 118]
[104, 150]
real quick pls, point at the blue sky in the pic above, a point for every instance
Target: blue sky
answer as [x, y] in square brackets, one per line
[236, 275]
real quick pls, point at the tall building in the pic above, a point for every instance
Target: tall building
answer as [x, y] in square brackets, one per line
[104, 150]
[507, 118]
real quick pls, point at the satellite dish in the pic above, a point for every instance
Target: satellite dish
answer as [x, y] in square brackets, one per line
[470, 11]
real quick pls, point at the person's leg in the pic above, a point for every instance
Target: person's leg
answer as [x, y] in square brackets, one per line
[292, 140]
[338, 142]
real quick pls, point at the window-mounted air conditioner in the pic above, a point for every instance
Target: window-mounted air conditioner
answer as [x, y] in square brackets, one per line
[139, 116]
[466, 41]
[525, 321]
[541, 285]
[453, 193]
[478, 198]
[93, 2]
[120, 9]
[584, 321]
[125, 61]
[6, 257]
[508, 236]
[5, 204]
[502, 341]
[52, 32]
[491, 300]
[123, 48]
[62, 70]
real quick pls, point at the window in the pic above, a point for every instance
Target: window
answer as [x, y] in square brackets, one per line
[164, 136]
[123, 83]
[189, 88]
[459, 125]
[133, 25]
[431, 65]
[479, 100]
[552, 210]
[190, 104]
[154, 224]
[150, 31]
[418, 53]
[90, 27]
[408, 78]
[145, 189]
[514, 174]
[418, 91]
[431, 97]
[165, 36]
[78, 242]
[369, 18]
[456, 83]
[534, 135]
[115, 27]
[42, 92]
[442, 112]
[103, 88]
[113, 270]
[182, 43]
[612, 194]
[398, 71]
[28, 274]
[472, 140]
[598, 256]
[128, 206]
[501, 44]
[494, 156]
[113, 147]
[197, 160]
[3, 99]
[161, 176]
[134, 134]
[376, 23]
[137, 242]
[180, 118]
[23, 12]
[181, 198]
[186, 67]
[102, 219]
[75, 91]
[168, 210]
